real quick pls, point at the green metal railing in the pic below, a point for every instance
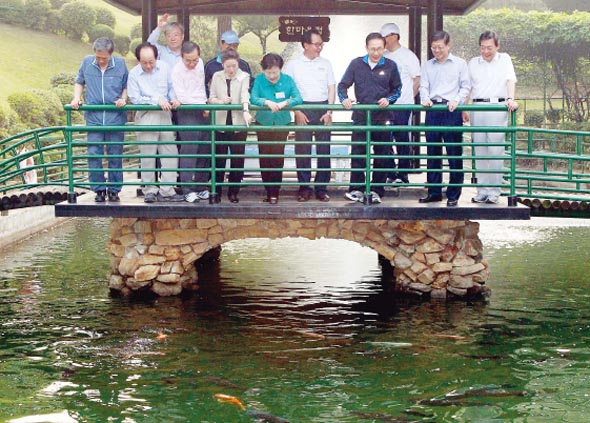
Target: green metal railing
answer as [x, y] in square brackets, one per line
[538, 163]
[339, 131]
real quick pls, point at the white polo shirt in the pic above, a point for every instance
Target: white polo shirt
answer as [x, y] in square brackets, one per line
[312, 77]
[489, 79]
[408, 66]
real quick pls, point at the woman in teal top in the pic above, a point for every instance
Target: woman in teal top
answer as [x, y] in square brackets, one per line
[276, 91]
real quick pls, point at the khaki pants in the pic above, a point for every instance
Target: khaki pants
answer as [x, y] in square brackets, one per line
[169, 164]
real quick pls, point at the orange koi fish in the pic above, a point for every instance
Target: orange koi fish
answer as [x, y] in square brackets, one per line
[231, 399]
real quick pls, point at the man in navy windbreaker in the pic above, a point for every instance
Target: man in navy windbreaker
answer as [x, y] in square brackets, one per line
[376, 80]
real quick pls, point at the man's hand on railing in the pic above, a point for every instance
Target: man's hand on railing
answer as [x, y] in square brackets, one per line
[452, 105]
[75, 103]
[427, 103]
[120, 102]
[347, 104]
[511, 105]
[383, 102]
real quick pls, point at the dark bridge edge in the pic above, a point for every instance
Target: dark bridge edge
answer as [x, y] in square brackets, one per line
[292, 211]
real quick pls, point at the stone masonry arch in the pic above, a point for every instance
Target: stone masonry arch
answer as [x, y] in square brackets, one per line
[436, 258]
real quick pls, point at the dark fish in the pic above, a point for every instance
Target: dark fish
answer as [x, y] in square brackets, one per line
[265, 417]
[222, 382]
[486, 392]
[451, 403]
[382, 417]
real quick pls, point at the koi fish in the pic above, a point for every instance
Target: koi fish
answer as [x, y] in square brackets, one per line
[231, 399]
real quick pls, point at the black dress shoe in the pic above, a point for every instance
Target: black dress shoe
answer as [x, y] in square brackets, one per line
[233, 198]
[303, 196]
[430, 199]
[322, 196]
[452, 203]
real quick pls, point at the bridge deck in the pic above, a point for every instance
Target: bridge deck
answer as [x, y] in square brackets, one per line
[397, 205]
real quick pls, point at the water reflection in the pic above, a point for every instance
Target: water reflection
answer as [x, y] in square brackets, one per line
[303, 330]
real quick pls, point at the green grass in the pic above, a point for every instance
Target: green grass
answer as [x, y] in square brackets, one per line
[40, 56]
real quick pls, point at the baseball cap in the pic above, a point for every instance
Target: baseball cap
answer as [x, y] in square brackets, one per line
[230, 37]
[388, 29]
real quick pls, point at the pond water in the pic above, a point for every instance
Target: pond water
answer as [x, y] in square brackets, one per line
[298, 331]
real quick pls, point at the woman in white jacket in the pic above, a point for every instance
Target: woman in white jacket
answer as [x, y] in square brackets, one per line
[230, 86]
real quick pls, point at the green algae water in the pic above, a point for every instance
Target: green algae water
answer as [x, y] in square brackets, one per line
[297, 331]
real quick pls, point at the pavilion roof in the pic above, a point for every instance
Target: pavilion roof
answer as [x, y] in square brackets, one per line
[297, 7]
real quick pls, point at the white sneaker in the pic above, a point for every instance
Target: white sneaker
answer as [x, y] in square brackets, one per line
[375, 198]
[203, 195]
[354, 196]
[479, 198]
[191, 197]
[493, 200]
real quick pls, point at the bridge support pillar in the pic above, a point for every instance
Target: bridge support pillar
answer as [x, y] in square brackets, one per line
[429, 258]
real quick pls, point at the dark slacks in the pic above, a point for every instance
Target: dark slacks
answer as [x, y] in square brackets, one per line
[444, 118]
[322, 145]
[380, 165]
[277, 147]
[226, 142]
[401, 118]
[199, 178]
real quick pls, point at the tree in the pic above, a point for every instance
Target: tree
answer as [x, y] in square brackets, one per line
[201, 28]
[539, 42]
[136, 31]
[261, 26]
[122, 44]
[76, 18]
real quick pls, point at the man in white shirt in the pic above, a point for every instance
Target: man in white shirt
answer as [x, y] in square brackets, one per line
[315, 81]
[408, 66]
[149, 83]
[493, 81]
[188, 80]
[444, 81]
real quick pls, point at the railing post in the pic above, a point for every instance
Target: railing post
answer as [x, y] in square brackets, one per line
[512, 197]
[69, 154]
[214, 197]
[367, 197]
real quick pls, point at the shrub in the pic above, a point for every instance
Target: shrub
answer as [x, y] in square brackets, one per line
[36, 12]
[534, 119]
[105, 17]
[122, 44]
[100, 30]
[53, 22]
[63, 78]
[133, 44]
[12, 12]
[76, 17]
[37, 108]
[57, 4]
[136, 31]
[9, 122]
[554, 115]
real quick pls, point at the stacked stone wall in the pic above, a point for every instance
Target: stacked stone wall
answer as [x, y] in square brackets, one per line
[435, 258]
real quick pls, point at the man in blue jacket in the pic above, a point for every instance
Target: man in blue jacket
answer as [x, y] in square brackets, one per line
[105, 79]
[376, 81]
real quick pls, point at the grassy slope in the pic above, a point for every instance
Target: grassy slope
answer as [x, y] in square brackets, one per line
[42, 55]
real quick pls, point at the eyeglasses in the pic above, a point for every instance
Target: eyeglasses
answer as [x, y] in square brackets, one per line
[438, 48]
[190, 60]
[318, 44]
